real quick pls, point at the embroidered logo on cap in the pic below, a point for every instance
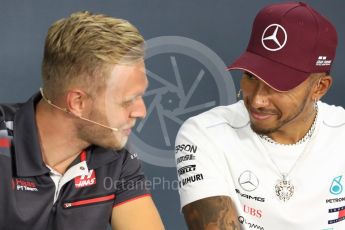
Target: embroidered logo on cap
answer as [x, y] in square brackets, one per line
[322, 61]
[274, 37]
[85, 180]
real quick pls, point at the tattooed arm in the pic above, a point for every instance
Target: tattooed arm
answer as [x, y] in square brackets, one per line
[212, 213]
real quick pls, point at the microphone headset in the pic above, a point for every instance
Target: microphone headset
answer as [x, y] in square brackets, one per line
[69, 112]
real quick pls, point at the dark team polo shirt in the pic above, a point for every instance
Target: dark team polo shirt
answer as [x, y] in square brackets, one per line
[94, 183]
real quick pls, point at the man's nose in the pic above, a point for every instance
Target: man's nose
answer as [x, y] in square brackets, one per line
[261, 96]
[140, 109]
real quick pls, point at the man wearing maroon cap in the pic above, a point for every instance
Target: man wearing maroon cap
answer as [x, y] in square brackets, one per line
[273, 160]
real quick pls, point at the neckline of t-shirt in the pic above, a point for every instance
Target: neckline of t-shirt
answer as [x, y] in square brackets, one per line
[296, 145]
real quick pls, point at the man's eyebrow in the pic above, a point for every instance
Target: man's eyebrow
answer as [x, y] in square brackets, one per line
[131, 97]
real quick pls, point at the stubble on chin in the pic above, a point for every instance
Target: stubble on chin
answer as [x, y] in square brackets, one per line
[262, 131]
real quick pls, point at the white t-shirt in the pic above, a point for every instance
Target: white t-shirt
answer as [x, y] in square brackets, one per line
[218, 154]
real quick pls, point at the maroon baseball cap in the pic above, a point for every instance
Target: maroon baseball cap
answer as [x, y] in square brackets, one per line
[289, 41]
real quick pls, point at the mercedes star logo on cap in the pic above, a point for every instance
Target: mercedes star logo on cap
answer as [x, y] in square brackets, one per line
[248, 181]
[274, 41]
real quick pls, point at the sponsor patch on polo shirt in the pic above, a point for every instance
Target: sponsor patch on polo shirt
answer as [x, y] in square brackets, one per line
[85, 180]
[24, 185]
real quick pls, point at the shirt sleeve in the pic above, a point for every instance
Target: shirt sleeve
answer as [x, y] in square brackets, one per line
[199, 164]
[132, 182]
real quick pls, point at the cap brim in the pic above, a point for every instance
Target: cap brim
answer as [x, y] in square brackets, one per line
[279, 77]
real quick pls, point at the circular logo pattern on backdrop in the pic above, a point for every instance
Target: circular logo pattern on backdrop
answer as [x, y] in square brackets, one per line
[186, 78]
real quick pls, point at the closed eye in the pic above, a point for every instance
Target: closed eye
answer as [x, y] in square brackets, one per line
[131, 101]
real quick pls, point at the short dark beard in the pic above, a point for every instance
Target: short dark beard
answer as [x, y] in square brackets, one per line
[268, 131]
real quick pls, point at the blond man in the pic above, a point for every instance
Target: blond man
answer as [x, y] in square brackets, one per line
[63, 159]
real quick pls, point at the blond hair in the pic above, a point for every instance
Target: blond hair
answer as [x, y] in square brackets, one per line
[79, 49]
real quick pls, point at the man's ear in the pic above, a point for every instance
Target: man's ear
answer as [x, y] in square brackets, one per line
[77, 101]
[321, 86]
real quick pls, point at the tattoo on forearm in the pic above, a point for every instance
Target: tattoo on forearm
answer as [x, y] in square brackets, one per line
[213, 213]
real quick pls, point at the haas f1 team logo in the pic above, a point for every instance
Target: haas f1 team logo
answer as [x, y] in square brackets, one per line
[85, 180]
[24, 185]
